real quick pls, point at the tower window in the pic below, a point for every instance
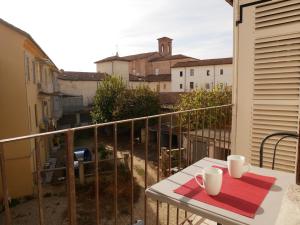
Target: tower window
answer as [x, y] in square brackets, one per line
[162, 48]
[207, 72]
[192, 72]
[181, 73]
[180, 86]
[156, 71]
[221, 72]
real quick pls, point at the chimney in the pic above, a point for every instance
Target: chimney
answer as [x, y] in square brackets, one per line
[165, 46]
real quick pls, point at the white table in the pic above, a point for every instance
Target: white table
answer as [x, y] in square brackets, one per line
[265, 215]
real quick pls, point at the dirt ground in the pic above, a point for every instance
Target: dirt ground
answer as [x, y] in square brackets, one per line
[55, 205]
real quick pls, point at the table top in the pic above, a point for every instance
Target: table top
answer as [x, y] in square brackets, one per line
[163, 191]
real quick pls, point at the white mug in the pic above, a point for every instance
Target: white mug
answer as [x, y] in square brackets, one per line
[236, 166]
[211, 180]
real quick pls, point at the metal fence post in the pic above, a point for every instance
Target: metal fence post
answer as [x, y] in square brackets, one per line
[4, 186]
[39, 180]
[71, 178]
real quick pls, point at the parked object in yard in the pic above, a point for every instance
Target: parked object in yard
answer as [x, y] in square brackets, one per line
[81, 154]
[139, 222]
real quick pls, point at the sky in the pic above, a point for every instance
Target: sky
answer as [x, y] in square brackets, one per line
[76, 33]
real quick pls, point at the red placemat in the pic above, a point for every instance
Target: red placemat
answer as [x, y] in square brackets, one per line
[242, 196]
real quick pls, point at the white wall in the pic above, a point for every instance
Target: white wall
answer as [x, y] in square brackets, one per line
[200, 77]
[119, 68]
[85, 88]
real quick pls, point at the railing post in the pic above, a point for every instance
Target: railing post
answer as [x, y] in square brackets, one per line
[298, 162]
[97, 185]
[39, 180]
[71, 178]
[4, 186]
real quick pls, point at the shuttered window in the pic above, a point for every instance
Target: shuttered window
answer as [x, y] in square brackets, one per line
[276, 94]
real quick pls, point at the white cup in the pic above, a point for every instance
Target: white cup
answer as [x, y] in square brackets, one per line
[211, 180]
[236, 166]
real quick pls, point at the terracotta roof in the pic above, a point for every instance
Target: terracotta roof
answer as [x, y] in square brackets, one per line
[129, 57]
[230, 2]
[135, 78]
[205, 62]
[25, 34]
[81, 76]
[139, 56]
[158, 78]
[165, 38]
[169, 98]
[171, 57]
[112, 58]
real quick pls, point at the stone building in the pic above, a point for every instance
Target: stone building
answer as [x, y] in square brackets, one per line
[151, 68]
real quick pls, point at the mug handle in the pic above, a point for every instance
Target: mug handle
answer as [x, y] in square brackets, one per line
[195, 177]
[247, 168]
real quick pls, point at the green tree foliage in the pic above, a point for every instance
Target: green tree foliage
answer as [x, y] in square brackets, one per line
[109, 93]
[202, 98]
[139, 102]
[114, 102]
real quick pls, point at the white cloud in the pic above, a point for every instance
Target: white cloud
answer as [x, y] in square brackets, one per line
[77, 33]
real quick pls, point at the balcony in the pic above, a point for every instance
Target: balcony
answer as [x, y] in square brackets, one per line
[127, 157]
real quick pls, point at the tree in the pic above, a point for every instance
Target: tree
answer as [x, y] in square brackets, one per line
[109, 93]
[114, 102]
[139, 102]
[202, 98]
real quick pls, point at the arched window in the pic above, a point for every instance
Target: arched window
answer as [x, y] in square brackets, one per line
[162, 48]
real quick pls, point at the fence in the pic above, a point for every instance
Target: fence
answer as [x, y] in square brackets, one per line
[205, 129]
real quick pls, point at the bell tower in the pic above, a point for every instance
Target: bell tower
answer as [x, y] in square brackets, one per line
[165, 46]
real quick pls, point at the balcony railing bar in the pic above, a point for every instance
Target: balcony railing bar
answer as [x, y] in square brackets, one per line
[132, 176]
[97, 186]
[39, 181]
[158, 164]
[107, 124]
[146, 169]
[215, 129]
[71, 178]
[189, 157]
[202, 134]
[196, 133]
[4, 186]
[115, 173]
[209, 128]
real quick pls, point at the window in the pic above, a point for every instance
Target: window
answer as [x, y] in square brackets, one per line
[156, 71]
[181, 86]
[207, 72]
[27, 68]
[157, 87]
[36, 115]
[29, 117]
[191, 85]
[165, 86]
[207, 86]
[46, 75]
[181, 73]
[192, 72]
[33, 72]
[221, 72]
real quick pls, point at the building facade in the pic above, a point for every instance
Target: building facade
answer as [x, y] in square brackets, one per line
[206, 74]
[266, 82]
[152, 69]
[27, 100]
[83, 84]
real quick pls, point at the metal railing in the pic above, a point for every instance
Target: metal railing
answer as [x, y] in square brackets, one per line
[199, 132]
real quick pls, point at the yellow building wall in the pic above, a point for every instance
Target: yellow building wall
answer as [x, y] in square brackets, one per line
[14, 112]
